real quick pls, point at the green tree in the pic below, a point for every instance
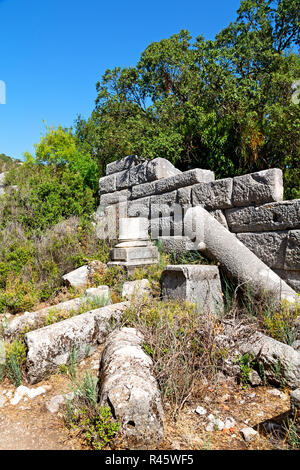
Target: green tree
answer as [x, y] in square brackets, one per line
[58, 148]
[224, 104]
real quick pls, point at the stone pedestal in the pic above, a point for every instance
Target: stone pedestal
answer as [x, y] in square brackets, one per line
[196, 283]
[134, 248]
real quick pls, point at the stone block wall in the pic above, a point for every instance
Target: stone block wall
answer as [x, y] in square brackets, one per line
[251, 206]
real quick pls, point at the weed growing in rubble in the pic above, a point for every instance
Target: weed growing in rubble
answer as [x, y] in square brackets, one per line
[292, 436]
[246, 363]
[180, 342]
[95, 423]
[15, 358]
[71, 367]
[280, 323]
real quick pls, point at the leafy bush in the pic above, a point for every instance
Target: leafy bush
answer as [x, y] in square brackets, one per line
[32, 264]
[280, 324]
[246, 363]
[58, 149]
[45, 223]
[45, 196]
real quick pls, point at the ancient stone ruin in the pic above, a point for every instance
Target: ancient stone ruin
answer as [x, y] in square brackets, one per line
[242, 223]
[250, 206]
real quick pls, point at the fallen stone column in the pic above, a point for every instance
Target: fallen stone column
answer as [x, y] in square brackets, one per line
[237, 260]
[277, 362]
[128, 387]
[280, 363]
[33, 320]
[51, 346]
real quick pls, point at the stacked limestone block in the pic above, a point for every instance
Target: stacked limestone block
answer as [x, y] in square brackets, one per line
[251, 206]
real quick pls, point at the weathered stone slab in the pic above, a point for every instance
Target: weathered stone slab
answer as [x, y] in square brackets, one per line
[258, 188]
[114, 198]
[34, 320]
[292, 256]
[292, 278]
[134, 253]
[107, 184]
[123, 164]
[187, 178]
[281, 363]
[51, 346]
[171, 183]
[214, 195]
[139, 207]
[78, 277]
[160, 168]
[146, 172]
[143, 190]
[270, 247]
[177, 244]
[184, 196]
[196, 283]
[136, 289]
[127, 386]
[165, 185]
[274, 216]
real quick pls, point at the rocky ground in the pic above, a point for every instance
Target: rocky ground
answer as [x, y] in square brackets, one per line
[213, 420]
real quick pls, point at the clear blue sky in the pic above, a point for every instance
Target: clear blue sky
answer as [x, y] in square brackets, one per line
[53, 52]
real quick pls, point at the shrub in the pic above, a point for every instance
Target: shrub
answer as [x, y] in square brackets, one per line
[45, 196]
[15, 358]
[32, 264]
[83, 414]
[246, 363]
[181, 343]
[280, 323]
